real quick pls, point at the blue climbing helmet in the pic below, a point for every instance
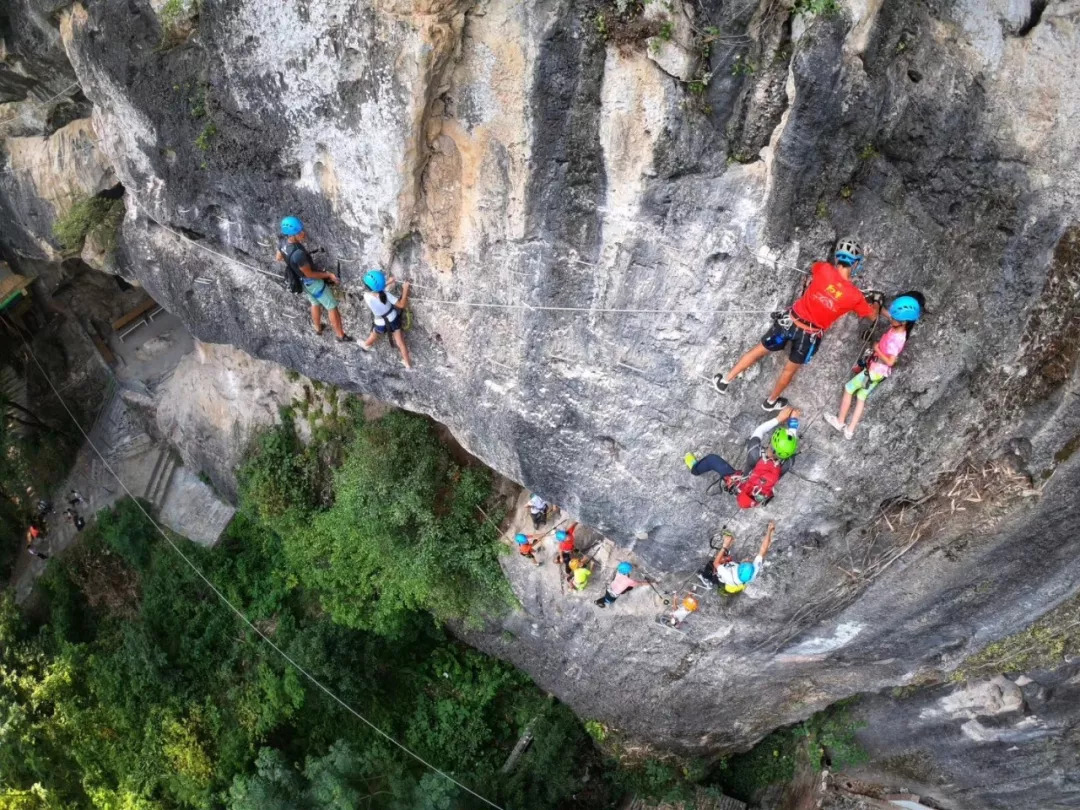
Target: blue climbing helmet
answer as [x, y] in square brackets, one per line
[375, 280]
[746, 572]
[849, 253]
[291, 226]
[520, 539]
[560, 535]
[905, 309]
[624, 568]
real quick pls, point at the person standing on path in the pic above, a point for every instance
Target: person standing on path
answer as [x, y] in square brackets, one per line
[33, 534]
[315, 283]
[538, 509]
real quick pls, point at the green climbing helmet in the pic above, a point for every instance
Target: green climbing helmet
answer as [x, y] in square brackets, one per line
[785, 443]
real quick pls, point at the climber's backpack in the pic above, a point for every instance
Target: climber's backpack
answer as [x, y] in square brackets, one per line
[293, 277]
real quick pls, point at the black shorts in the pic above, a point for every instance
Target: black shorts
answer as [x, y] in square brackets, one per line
[803, 343]
[391, 326]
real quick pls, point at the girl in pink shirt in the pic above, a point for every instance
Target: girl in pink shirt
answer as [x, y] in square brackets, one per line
[903, 314]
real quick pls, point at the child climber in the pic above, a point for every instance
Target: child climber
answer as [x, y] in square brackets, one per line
[765, 462]
[620, 585]
[387, 310]
[733, 576]
[526, 547]
[688, 605]
[580, 572]
[565, 550]
[903, 314]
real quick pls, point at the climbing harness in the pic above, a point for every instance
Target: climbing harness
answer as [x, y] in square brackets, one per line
[865, 349]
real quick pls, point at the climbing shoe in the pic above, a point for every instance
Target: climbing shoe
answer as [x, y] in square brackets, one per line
[720, 384]
[346, 339]
[601, 603]
[834, 422]
[778, 405]
[690, 460]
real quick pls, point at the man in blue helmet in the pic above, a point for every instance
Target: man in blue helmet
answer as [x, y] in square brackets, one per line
[619, 585]
[829, 296]
[315, 283]
[733, 577]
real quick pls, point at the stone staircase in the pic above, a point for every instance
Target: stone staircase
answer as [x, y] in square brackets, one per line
[151, 470]
[157, 486]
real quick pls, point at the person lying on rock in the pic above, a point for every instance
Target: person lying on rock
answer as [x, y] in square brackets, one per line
[565, 549]
[765, 463]
[526, 547]
[619, 585]
[315, 283]
[877, 365]
[387, 311]
[829, 296]
[538, 509]
[722, 570]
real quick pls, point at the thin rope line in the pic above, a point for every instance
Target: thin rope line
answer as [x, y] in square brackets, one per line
[78, 150]
[236, 610]
[475, 304]
[627, 310]
[53, 98]
[227, 258]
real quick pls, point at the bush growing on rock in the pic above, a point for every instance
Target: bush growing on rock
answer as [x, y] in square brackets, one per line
[87, 215]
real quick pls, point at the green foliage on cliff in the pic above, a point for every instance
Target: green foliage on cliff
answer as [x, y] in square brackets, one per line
[1043, 645]
[825, 740]
[135, 688]
[396, 527]
[86, 215]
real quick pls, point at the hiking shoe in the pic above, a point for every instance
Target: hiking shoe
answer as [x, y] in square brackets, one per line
[690, 460]
[836, 423]
[848, 433]
[778, 405]
[720, 384]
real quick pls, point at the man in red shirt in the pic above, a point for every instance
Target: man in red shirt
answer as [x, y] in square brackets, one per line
[829, 296]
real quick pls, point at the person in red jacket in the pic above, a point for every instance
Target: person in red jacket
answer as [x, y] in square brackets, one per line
[565, 551]
[766, 462]
[829, 296]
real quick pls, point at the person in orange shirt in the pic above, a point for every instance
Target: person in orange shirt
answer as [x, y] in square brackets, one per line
[829, 296]
[526, 547]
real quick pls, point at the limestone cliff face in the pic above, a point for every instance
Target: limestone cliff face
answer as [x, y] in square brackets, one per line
[662, 173]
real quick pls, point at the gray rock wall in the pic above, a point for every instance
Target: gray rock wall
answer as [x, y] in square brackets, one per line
[513, 158]
[995, 743]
